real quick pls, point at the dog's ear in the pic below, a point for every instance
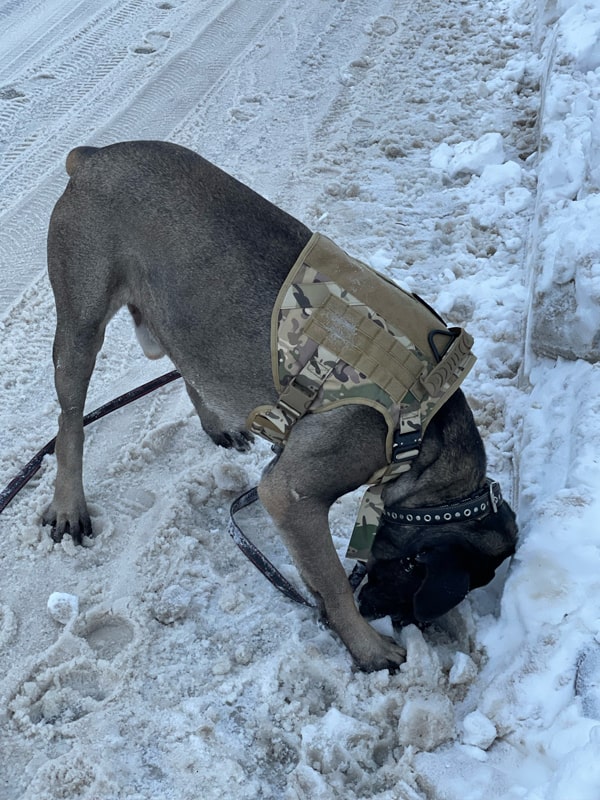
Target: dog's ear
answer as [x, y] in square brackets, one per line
[447, 582]
[446, 566]
[494, 540]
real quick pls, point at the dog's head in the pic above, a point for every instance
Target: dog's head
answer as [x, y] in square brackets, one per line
[419, 572]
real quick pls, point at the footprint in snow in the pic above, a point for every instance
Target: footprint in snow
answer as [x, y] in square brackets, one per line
[383, 26]
[10, 93]
[63, 693]
[8, 625]
[587, 681]
[70, 775]
[154, 42]
[355, 72]
[362, 131]
[248, 108]
[136, 501]
[107, 635]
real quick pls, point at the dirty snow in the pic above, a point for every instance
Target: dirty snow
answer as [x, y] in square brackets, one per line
[453, 146]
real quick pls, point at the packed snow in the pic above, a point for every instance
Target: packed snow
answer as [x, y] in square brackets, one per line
[453, 146]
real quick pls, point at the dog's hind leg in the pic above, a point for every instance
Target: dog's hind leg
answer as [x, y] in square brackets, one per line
[84, 304]
[211, 422]
[74, 353]
[319, 464]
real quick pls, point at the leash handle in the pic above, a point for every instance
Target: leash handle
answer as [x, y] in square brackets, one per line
[254, 555]
[30, 469]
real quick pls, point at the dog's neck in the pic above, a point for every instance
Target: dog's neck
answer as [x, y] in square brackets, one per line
[451, 464]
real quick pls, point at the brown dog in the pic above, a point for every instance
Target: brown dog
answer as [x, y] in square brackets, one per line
[200, 259]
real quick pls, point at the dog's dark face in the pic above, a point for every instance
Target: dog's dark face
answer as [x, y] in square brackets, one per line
[433, 568]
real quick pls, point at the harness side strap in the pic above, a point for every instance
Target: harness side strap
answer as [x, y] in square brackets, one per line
[254, 555]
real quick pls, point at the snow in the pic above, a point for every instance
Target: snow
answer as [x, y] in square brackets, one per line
[63, 607]
[455, 148]
[470, 158]
[478, 730]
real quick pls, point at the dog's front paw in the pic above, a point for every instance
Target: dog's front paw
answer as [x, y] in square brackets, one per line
[76, 524]
[378, 652]
[238, 440]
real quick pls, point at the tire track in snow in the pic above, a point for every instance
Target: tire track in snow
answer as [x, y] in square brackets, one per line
[307, 40]
[36, 31]
[75, 72]
[222, 42]
[115, 104]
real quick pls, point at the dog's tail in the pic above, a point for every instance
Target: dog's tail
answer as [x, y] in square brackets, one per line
[77, 157]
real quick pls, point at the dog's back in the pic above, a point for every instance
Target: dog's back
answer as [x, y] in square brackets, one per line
[160, 228]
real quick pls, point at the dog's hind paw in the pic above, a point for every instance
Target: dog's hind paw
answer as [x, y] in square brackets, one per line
[238, 440]
[78, 525]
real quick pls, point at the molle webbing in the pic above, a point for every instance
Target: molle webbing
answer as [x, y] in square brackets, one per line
[342, 333]
[369, 348]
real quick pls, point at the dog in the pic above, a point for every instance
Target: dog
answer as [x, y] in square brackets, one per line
[199, 258]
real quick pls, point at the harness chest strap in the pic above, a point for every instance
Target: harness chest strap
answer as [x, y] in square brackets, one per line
[407, 444]
[379, 358]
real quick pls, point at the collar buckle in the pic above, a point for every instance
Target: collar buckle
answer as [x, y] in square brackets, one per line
[495, 494]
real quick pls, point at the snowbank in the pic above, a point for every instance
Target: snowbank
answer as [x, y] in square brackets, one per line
[565, 252]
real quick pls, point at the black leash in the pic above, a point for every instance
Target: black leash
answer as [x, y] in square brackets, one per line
[30, 469]
[253, 554]
[263, 564]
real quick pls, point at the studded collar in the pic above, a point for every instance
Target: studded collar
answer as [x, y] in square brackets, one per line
[479, 505]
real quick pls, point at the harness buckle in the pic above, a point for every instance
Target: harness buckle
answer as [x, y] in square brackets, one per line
[405, 442]
[296, 398]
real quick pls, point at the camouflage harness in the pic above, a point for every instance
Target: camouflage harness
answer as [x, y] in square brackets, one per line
[342, 333]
